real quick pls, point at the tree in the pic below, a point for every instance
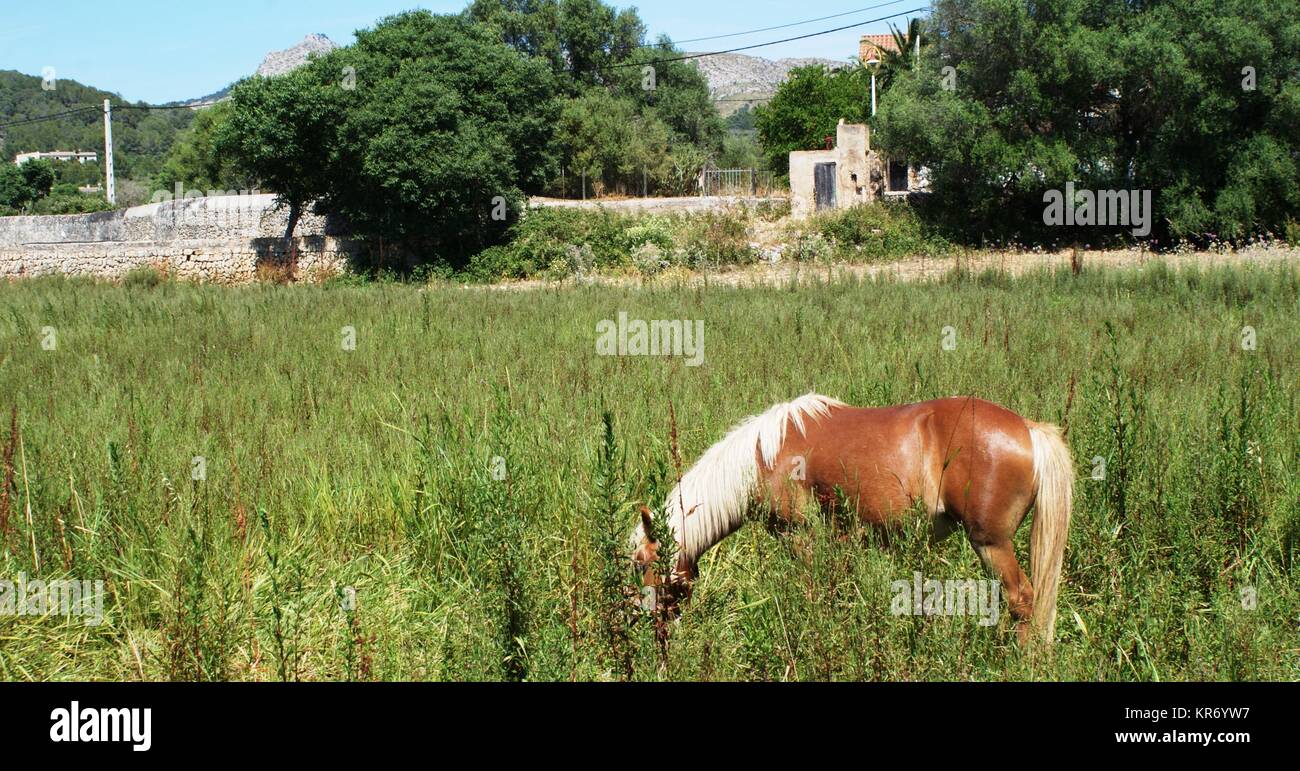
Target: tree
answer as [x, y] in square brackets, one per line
[280, 132]
[902, 57]
[1195, 101]
[38, 176]
[676, 90]
[806, 109]
[24, 184]
[591, 46]
[741, 120]
[606, 139]
[445, 130]
[194, 162]
[580, 39]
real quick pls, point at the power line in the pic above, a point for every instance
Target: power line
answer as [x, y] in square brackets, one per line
[97, 108]
[779, 26]
[686, 57]
[38, 119]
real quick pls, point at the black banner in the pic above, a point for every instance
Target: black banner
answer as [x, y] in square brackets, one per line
[171, 720]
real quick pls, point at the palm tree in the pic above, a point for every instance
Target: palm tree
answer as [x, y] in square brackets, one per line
[904, 57]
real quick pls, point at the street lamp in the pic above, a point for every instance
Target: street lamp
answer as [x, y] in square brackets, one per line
[874, 65]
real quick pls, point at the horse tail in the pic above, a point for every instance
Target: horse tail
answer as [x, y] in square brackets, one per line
[1054, 480]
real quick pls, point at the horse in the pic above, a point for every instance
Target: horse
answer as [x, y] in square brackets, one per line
[959, 461]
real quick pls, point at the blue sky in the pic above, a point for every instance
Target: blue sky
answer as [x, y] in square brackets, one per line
[167, 50]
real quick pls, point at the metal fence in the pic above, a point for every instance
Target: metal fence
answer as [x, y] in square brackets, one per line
[735, 182]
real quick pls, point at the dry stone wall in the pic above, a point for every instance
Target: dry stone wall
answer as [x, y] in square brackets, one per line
[225, 239]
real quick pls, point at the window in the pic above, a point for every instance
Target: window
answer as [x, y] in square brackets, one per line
[898, 177]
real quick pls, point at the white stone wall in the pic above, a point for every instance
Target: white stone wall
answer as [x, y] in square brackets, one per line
[226, 239]
[220, 260]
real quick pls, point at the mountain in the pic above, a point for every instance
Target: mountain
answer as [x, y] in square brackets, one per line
[732, 77]
[738, 78]
[280, 62]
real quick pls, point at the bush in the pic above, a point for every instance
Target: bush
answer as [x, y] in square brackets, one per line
[654, 230]
[649, 259]
[879, 231]
[566, 241]
[717, 238]
[70, 203]
[813, 247]
[144, 277]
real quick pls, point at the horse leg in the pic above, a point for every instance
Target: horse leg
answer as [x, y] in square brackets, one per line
[1000, 556]
[942, 526]
[784, 497]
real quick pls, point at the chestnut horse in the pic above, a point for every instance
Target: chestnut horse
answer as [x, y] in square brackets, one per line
[963, 461]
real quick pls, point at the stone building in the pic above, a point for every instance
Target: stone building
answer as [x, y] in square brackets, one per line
[847, 174]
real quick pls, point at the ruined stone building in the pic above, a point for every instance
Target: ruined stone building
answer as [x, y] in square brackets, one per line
[847, 174]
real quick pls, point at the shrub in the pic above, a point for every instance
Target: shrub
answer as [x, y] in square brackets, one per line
[649, 259]
[813, 247]
[144, 277]
[879, 231]
[654, 229]
[499, 262]
[717, 238]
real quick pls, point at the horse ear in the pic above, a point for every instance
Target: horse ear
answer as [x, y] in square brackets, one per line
[645, 522]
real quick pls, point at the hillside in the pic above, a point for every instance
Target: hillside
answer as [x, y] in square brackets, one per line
[141, 138]
[739, 79]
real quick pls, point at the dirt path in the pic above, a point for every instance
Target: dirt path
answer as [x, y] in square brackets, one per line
[923, 269]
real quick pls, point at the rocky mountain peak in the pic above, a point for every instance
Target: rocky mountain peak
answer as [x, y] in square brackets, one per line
[280, 62]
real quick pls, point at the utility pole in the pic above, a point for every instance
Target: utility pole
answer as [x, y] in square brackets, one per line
[110, 186]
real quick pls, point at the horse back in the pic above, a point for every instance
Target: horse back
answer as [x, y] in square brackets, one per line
[960, 456]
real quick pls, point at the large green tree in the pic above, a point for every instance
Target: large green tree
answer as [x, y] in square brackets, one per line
[599, 57]
[443, 131]
[1196, 101]
[580, 39]
[281, 132]
[806, 109]
[194, 162]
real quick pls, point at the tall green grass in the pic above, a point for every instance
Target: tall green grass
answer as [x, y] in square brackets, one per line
[453, 475]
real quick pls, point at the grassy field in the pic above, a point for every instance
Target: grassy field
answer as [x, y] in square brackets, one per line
[354, 522]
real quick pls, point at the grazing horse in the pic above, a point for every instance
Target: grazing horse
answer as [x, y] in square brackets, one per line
[966, 462]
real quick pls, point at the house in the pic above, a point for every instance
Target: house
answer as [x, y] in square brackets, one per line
[848, 173]
[871, 46]
[59, 155]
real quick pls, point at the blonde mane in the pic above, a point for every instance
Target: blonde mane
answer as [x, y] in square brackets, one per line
[710, 502]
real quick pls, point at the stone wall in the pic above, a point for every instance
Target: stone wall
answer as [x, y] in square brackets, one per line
[225, 239]
[220, 238]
